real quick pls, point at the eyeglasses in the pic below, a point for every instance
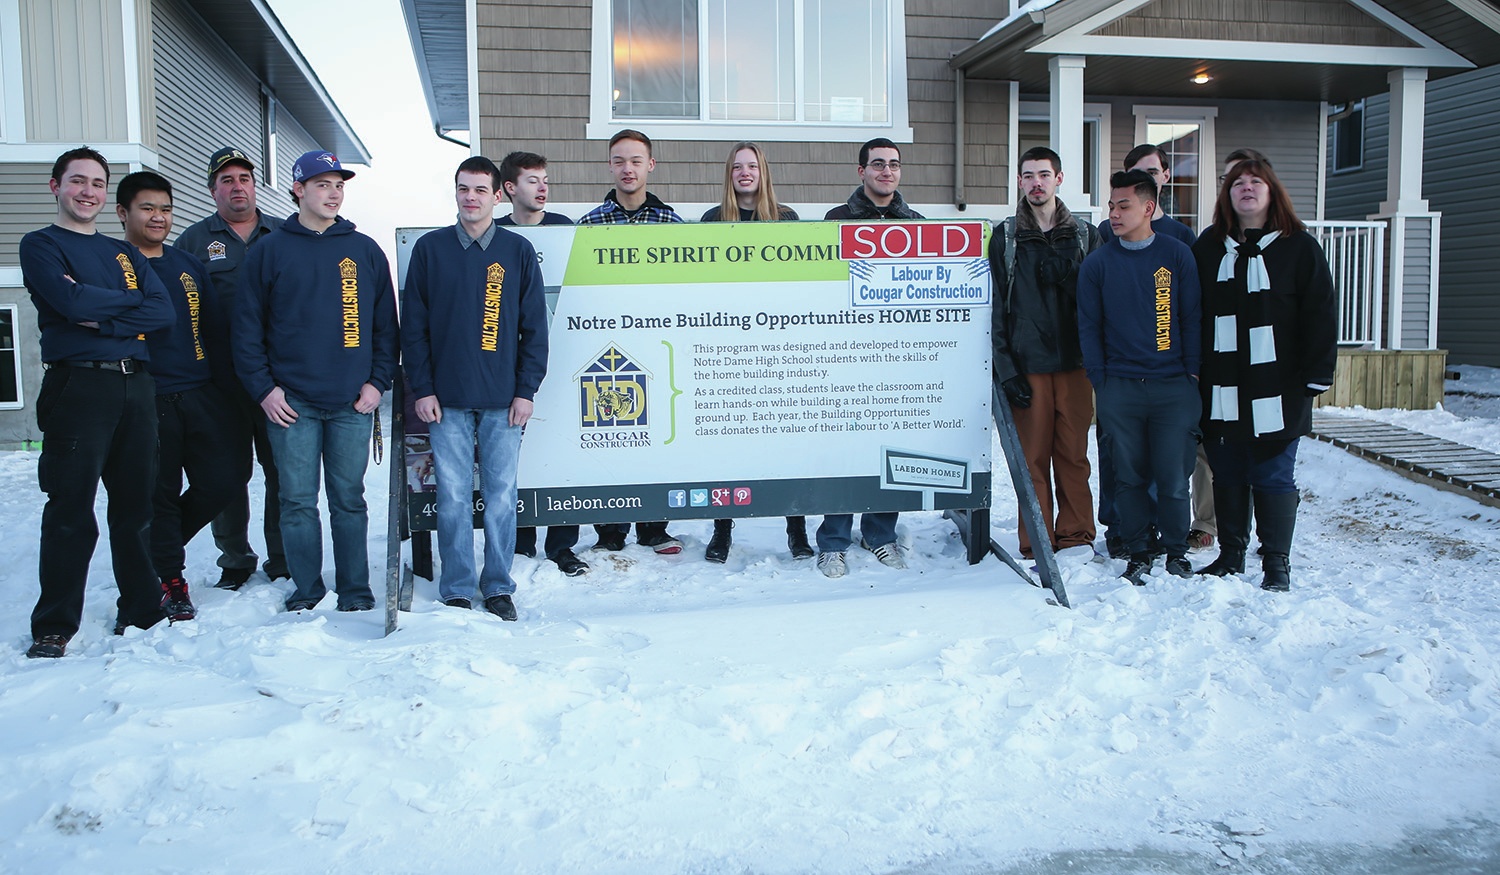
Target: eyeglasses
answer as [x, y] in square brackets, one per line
[881, 166]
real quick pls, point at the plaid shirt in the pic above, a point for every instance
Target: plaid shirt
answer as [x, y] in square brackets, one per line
[654, 212]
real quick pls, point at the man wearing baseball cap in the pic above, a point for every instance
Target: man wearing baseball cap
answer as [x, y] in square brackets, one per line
[315, 343]
[220, 243]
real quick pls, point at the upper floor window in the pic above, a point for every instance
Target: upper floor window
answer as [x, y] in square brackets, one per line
[716, 69]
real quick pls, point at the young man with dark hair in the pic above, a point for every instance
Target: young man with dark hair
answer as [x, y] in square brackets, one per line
[94, 299]
[630, 163]
[1139, 326]
[1034, 257]
[220, 242]
[315, 342]
[523, 181]
[877, 198]
[197, 422]
[474, 341]
[878, 195]
[1151, 160]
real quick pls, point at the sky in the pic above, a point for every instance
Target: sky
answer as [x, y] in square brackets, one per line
[368, 69]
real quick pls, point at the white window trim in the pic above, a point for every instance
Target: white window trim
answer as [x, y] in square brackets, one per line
[601, 124]
[15, 352]
[1100, 113]
[1208, 147]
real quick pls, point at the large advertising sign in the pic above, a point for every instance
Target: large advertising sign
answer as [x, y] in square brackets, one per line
[756, 369]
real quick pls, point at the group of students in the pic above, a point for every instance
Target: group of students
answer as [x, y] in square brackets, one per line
[1211, 344]
[278, 339]
[254, 337]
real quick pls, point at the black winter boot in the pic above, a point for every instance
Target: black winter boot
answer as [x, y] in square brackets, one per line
[718, 545]
[1275, 520]
[796, 537]
[1232, 505]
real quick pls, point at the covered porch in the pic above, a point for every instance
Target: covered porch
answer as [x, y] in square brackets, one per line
[1091, 78]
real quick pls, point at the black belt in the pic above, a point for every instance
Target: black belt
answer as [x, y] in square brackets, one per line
[124, 366]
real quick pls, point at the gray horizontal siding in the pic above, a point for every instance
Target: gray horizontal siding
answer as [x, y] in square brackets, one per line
[206, 99]
[1461, 144]
[28, 204]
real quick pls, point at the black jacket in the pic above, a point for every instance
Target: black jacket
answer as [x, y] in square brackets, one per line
[1248, 383]
[1034, 322]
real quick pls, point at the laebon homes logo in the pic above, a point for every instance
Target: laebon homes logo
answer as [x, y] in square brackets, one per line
[613, 402]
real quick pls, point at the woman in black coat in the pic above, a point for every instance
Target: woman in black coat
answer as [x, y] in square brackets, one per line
[1270, 340]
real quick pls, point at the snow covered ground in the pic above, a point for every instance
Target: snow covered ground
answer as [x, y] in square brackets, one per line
[663, 715]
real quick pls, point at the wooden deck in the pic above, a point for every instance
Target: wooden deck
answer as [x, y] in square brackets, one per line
[1426, 459]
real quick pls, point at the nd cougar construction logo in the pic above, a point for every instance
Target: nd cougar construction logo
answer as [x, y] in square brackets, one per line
[612, 392]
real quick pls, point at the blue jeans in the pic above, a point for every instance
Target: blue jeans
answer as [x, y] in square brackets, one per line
[453, 443]
[1153, 427]
[875, 529]
[337, 441]
[1268, 467]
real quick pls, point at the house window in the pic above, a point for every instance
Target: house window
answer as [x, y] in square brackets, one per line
[1186, 134]
[826, 70]
[10, 362]
[1346, 136]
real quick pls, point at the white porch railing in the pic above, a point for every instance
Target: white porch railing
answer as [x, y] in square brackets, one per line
[1356, 257]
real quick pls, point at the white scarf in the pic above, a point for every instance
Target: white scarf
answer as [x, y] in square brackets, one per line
[1256, 278]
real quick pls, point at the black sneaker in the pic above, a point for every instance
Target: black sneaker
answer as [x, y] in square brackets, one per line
[295, 605]
[718, 545]
[278, 572]
[501, 606]
[1115, 546]
[359, 604]
[611, 541]
[570, 564]
[1178, 566]
[48, 647]
[661, 542]
[174, 600]
[234, 578]
[457, 602]
[1137, 568]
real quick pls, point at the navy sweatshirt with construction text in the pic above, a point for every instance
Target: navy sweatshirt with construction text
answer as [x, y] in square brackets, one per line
[474, 319]
[1139, 311]
[316, 315]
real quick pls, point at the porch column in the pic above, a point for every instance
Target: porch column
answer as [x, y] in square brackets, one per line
[1403, 176]
[1067, 126]
[1412, 262]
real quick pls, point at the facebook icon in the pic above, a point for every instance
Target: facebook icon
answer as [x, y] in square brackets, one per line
[677, 498]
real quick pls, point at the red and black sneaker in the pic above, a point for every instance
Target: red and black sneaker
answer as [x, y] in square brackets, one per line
[174, 600]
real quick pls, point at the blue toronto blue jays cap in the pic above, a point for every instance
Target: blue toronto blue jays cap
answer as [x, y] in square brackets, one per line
[315, 162]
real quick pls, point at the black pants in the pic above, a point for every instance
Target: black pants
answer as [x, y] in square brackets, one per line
[231, 527]
[1153, 426]
[96, 425]
[197, 435]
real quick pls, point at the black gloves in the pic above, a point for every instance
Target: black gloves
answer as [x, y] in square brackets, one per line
[1017, 391]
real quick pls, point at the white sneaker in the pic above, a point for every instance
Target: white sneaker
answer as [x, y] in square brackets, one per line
[832, 564]
[888, 554]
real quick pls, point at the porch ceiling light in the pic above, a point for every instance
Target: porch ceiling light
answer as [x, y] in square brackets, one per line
[1201, 79]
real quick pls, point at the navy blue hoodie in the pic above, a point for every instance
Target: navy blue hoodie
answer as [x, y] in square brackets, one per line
[182, 353]
[316, 315]
[1139, 311]
[110, 285]
[474, 320]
